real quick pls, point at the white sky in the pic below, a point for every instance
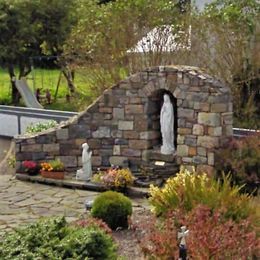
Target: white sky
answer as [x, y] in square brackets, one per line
[200, 3]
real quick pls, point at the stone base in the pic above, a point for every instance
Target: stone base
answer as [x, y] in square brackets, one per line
[154, 171]
[157, 166]
[156, 155]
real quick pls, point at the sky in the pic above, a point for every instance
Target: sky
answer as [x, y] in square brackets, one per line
[201, 3]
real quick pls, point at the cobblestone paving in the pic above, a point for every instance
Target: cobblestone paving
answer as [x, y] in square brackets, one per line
[25, 202]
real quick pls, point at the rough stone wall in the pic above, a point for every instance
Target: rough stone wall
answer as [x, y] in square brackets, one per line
[120, 130]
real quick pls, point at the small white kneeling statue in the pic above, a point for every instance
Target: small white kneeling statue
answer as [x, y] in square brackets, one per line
[167, 121]
[85, 173]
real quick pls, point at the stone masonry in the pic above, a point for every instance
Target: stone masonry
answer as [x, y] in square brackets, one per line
[122, 126]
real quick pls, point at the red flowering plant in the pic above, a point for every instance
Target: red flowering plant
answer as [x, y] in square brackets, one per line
[31, 167]
[94, 223]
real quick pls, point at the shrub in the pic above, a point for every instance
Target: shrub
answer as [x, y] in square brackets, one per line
[210, 236]
[39, 127]
[187, 190]
[241, 158]
[55, 239]
[238, 240]
[159, 238]
[114, 208]
[93, 222]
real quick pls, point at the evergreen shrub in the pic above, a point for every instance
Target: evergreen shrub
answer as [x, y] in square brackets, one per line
[54, 238]
[113, 208]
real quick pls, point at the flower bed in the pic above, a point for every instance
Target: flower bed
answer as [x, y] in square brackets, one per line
[114, 178]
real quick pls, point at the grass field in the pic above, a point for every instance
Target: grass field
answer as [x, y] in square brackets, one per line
[48, 79]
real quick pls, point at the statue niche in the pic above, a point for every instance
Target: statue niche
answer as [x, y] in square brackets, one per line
[162, 118]
[167, 126]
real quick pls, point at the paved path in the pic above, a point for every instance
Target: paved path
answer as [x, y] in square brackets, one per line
[25, 202]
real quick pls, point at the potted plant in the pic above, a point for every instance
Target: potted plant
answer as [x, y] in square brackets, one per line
[31, 167]
[115, 178]
[53, 169]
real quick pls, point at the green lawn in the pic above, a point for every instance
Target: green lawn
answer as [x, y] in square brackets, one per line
[48, 79]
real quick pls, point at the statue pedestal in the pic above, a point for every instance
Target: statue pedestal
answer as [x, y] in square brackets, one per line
[157, 166]
[81, 176]
[156, 155]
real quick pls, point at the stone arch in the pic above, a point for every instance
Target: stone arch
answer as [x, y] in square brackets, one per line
[118, 129]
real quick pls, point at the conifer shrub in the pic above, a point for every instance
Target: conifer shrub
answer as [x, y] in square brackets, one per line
[113, 208]
[54, 238]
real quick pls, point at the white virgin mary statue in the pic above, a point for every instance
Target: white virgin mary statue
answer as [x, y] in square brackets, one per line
[167, 122]
[85, 173]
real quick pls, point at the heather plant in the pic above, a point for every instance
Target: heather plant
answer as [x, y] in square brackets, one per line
[189, 189]
[241, 158]
[238, 240]
[159, 239]
[93, 222]
[211, 236]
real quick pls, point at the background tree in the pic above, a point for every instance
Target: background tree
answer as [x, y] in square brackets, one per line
[32, 28]
[18, 40]
[223, 39]
[55, 19]
[105, 34]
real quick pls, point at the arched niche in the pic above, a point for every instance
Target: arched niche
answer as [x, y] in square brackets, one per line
[155, 102]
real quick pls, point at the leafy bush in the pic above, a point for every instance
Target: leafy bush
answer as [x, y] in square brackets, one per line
[241, 158]
[210, 236]
[187, 190]
[55, 239]
[114, 208]
[39, 127]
